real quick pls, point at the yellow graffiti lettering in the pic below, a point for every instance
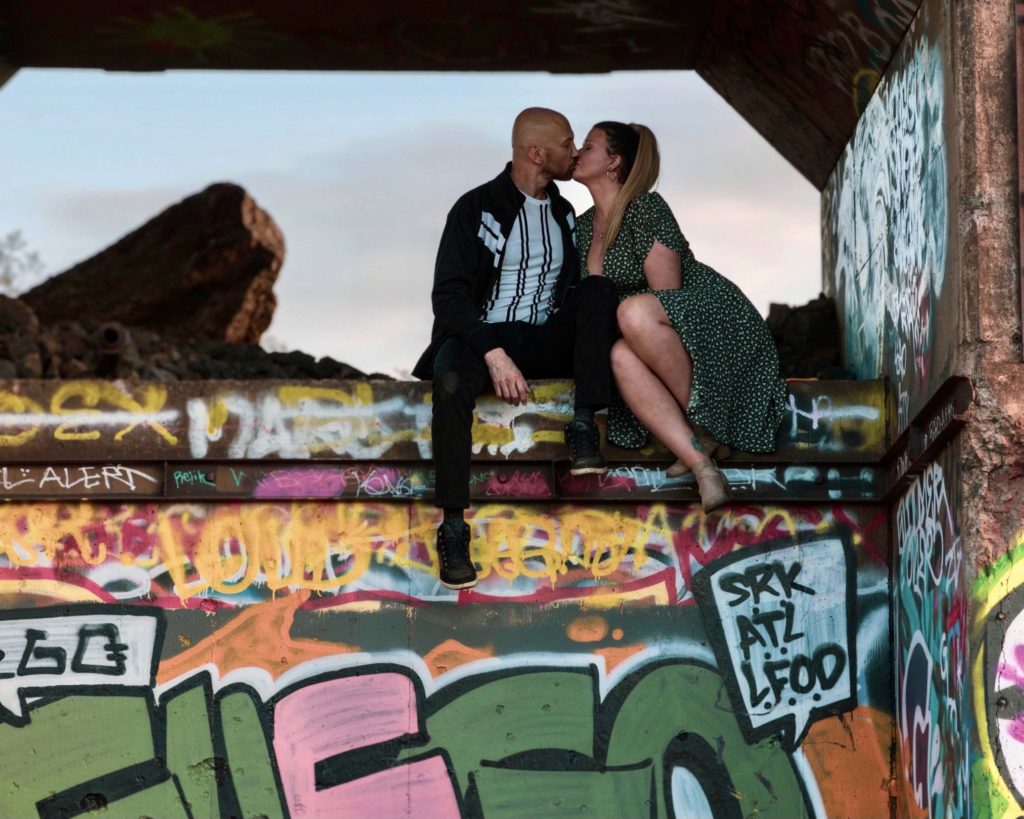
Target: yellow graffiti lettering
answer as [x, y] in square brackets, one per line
[18, 404]
[218, 417]
[193, 550]
[515, 542]
[85, 398]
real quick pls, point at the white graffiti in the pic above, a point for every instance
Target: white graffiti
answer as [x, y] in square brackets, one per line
[79, 650]
[82, 478]
[499, 414]
[888, 214]
[86, 418]
[822, 412]
[786, 633]
[266, 426]
[931, 646]
[931, 557]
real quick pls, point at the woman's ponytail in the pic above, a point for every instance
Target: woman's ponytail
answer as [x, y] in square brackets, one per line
[641, 163]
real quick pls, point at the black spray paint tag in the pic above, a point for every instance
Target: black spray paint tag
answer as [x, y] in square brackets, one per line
[781, 621]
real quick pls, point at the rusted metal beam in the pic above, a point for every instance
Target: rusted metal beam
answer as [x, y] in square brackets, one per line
[939, 420]
[411, 482]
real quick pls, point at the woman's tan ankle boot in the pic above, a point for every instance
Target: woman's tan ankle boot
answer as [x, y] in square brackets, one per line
[711, 484]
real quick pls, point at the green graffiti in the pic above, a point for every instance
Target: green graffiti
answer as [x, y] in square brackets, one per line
[514, 715]
[190, 752]
[989, 801]
[249, 757]
[614, 794]
[991, 575]
[86, 751]
[163, 800]
[536, 742]
[683, 699]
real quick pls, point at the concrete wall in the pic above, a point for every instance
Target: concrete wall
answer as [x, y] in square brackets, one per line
[921, 235]
[889, 223]
[222, 613]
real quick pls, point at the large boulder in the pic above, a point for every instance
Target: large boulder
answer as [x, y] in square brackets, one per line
[204, 267]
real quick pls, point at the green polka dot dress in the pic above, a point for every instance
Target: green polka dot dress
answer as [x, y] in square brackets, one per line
[737, 393]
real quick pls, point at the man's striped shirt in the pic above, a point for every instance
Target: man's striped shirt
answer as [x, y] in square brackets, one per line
[525, 289]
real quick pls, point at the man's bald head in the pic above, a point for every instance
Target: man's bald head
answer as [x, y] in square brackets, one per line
[536, 126]
[542, 140]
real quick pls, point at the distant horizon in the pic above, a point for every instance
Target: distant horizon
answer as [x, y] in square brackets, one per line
[359, 171]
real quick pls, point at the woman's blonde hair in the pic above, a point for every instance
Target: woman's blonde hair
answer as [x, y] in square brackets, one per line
[638, 172]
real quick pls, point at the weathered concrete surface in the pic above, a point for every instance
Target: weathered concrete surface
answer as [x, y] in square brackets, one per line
[989, 351]
[990, 318]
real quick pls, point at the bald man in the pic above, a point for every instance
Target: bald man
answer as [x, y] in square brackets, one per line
[509, 305]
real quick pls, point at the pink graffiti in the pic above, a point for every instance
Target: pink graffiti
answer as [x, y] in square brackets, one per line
[1012, 671]
[588, 483]
[518, 484]
[334, 717]
[300, 483]
[1015, 728]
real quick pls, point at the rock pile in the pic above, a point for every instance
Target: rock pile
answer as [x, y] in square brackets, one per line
[186, 296]
[808, 339]
[88, 348]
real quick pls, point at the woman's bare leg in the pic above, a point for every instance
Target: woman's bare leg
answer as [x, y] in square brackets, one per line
[654, 405]
[649, 333]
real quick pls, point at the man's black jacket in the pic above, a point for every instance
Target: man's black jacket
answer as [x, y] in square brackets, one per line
[469, 261]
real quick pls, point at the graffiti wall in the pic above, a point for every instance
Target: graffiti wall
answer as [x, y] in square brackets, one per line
[300, 659]
[242, 578]
[933, 716]
[887, 223]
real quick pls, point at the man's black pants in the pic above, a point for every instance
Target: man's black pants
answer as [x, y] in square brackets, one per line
[575, 342]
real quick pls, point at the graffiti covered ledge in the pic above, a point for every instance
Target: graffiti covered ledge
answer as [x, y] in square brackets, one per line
[371, 440]
[242, 576]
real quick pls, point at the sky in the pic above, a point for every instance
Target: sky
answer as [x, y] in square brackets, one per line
[360, 169]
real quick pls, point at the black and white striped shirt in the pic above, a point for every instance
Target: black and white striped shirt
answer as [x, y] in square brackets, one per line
[525, 289]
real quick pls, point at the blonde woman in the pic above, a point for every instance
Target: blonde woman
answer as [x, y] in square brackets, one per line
[696, 365]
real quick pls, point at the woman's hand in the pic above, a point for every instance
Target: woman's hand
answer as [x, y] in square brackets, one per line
[663, 268]
[508, 381]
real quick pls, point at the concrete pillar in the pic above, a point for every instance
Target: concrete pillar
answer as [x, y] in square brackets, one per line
[989, 352]
[990, 318]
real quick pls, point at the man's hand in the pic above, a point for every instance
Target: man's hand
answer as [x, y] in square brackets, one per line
[509, 384]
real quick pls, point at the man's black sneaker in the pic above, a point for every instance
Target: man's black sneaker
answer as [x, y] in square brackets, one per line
[457, 570]
[584, 442]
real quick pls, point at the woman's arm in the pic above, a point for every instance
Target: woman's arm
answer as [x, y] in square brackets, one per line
[663, 268]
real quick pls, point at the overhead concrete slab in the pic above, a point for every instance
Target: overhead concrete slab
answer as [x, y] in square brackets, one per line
[799, 72]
